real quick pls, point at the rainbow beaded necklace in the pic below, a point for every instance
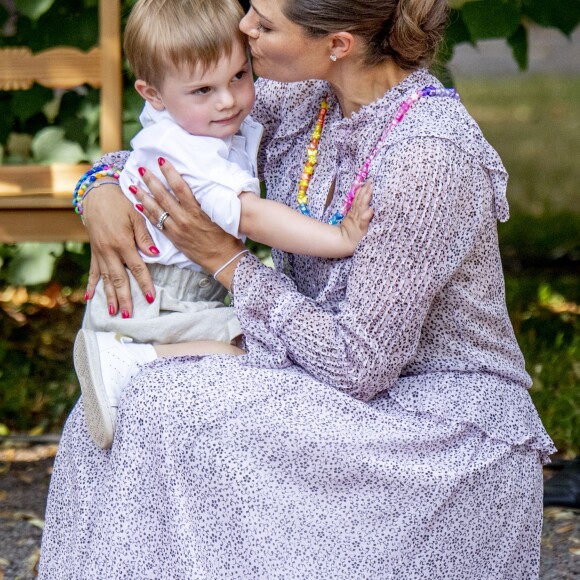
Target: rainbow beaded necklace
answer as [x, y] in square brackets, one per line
[312, 151]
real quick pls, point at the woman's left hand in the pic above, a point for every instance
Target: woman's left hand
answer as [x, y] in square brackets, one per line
[188, 226]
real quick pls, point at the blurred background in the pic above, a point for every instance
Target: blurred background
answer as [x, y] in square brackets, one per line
[516, 65]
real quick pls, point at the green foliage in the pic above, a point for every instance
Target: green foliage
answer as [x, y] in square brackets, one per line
[71, 116]
[475, 20]
[37, 382]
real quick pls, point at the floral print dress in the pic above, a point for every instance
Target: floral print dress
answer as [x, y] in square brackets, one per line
[380, 426]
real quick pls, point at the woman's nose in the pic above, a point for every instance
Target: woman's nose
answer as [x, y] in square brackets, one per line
[249, 24]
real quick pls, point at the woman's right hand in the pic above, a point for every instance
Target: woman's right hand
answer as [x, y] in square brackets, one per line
[115, 229]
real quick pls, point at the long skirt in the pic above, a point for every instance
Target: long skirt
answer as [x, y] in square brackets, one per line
[223, 471]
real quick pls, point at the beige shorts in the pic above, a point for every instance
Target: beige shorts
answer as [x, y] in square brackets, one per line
[188, 306]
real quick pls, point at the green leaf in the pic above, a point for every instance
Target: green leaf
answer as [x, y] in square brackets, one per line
[562, 14]
[50, 146]
[33, 263]
[457, 30]
[34, 9]
[519, 43]
[26, 104]
[491, 18]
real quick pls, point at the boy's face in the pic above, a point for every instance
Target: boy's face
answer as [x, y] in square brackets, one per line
[212, 103]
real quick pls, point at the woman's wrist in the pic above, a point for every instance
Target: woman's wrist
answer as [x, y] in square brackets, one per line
[101, 198]
[224, 274]
[94, 177]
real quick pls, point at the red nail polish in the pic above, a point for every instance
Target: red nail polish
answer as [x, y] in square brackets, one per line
[161, 161]
[124, 313]
[149, 298]
[133, 189]
[111, 310]
[142, 171]
[139, 207]
[154, 250]
[87, 297]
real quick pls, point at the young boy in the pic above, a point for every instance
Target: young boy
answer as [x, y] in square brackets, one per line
[192, 69]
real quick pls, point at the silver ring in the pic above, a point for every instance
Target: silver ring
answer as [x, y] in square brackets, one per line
[161, 220]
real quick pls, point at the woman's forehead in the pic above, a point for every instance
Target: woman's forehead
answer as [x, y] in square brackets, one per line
[267, 9]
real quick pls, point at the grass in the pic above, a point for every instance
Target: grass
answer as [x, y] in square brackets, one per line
[534, 123]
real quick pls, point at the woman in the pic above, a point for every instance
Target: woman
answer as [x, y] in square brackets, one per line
[380, 425]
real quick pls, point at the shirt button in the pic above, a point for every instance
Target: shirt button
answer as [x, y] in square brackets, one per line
[204, 282]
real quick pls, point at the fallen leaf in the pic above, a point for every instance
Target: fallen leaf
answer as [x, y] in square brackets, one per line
[561, 514]
[32, 560]
[25, 478]
[566, 528]
[23, 515]
[574, 551]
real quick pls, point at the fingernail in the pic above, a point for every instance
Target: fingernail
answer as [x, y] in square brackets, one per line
[139, 207]
[87, 297]
[125, 313]
[133, 189]
[142, 171]
[161, 161]
[154, 250]
[111, 310]
[149, 298]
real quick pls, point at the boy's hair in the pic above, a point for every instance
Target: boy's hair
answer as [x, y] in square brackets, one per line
[161, 34]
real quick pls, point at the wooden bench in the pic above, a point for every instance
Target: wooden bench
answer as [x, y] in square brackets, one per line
[36, 200]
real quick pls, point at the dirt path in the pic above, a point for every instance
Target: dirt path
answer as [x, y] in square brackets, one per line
[24, 479]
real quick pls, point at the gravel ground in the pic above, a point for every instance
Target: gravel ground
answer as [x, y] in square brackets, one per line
[25, 475]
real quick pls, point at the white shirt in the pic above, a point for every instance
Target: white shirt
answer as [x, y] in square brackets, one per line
[217, 170]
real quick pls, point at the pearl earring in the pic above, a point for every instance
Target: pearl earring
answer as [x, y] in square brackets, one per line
[333, 57]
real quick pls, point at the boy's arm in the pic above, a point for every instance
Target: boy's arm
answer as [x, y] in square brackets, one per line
[276, 225]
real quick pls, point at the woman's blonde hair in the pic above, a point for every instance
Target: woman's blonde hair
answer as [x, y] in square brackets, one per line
[161, 34]
[407, 31]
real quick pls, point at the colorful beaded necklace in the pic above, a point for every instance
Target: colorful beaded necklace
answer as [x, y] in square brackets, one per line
[312, 151]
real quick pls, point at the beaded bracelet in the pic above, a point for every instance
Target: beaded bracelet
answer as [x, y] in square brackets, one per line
[87, 180]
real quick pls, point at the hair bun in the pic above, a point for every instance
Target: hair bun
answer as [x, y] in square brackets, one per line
[417, 28]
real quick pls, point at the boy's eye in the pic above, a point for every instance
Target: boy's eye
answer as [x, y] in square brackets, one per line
[201, 91]
[239, 76]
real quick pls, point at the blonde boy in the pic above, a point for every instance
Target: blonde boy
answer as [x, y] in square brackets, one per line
[192, 69]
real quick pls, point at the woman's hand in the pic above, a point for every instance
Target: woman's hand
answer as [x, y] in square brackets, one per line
[114, 229]
[188, 226]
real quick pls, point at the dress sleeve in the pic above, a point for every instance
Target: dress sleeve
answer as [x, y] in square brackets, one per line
[427, 217]
[118, 159]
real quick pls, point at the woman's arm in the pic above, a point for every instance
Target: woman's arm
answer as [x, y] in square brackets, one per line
[425, 223]
[114, 229]
[281, 227]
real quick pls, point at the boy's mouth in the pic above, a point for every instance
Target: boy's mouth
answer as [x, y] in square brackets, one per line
[227, 120]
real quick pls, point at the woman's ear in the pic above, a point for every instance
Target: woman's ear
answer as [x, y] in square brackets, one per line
[150, 94]
[342, 44]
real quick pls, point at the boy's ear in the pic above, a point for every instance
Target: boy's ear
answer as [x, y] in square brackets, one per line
[150, 94]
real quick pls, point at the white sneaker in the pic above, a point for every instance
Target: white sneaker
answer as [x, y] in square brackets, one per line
[105, 362]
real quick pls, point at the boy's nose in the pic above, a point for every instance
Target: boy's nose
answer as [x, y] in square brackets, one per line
[226, 101]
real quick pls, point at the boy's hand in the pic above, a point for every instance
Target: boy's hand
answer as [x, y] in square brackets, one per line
[356, 224]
